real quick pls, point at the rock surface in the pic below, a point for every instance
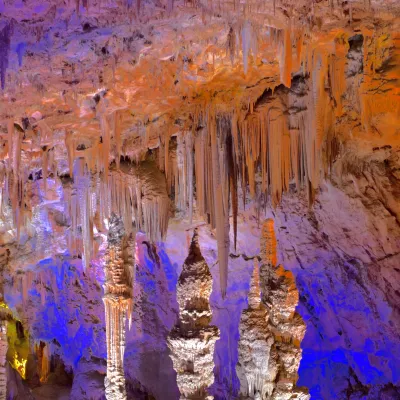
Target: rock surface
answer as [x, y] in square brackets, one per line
[209, 116]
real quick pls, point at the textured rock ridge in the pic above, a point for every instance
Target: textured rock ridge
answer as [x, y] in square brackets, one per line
[118, 304]
[192, 340]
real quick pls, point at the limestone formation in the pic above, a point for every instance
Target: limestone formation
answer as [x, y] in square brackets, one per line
[280, 298]
[118, 304]
[3, 361]
[255, 343]
[192, 341]
[184, 114]
[270, 331]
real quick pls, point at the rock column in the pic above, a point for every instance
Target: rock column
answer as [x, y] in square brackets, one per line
[118, 304]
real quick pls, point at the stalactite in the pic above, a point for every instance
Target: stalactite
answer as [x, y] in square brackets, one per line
[119, 270]
[337, 71]
[82, 208]
[106, 145]
[45, 168]
[117, 136]
[201, 170]
[286, 60]
[231, 45]
[233, 186]
[144, 198]
[190, 172]
[220, 184]
[246, 44]
[181, 200]
[5, 35]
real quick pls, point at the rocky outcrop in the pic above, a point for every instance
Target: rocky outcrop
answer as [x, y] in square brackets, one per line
[192, 340]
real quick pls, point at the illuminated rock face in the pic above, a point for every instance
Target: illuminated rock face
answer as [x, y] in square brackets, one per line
[192, 341]
[118, 304]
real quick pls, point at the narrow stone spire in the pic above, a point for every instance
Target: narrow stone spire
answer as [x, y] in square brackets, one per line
[118, 304]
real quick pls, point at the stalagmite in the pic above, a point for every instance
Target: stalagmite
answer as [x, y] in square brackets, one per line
[286, 328]
[255, 344]
[5, 33]
[192, 340]
[119, 270]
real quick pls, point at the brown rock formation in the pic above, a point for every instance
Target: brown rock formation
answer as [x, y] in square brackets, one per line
[192, 340]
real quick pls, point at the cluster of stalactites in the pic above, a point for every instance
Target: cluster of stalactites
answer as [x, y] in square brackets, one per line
[118, 287]
[231, 150]
[215, 178]
[136, 192]
[13, 180]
